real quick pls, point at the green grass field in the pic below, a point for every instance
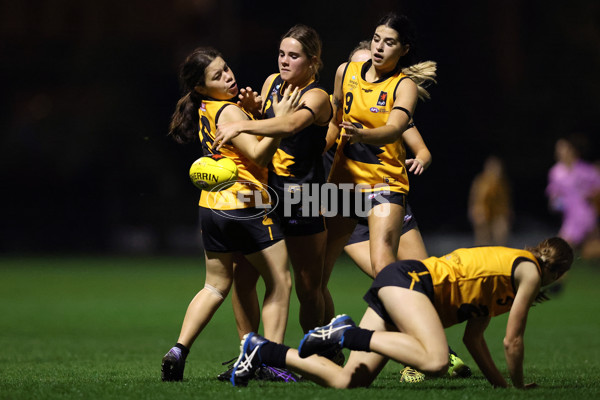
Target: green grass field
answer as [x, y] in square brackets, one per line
[87, 328]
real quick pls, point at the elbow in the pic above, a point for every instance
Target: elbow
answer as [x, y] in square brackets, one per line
[290, 129]
[262, 162]
[512, 343]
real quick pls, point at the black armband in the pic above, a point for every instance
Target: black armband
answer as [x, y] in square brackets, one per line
[308, 108]
[403, 109]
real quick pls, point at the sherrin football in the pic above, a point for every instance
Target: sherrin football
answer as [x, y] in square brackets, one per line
[213, 173]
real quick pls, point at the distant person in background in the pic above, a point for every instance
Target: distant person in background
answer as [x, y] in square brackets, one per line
[490, 209]
[573, 190]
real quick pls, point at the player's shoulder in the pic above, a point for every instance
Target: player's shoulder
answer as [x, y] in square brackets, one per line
[341, 69]
[230, 112]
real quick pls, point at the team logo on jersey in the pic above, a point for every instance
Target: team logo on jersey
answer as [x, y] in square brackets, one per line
[382, 99]
[367, 90]
[202, 106]
[275, 90]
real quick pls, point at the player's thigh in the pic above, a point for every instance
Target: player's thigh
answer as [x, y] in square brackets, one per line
[411, 246]
[385, 230]
[359, 253]
[413, 313]
[271, 263]
[219, 270]
[307, 254]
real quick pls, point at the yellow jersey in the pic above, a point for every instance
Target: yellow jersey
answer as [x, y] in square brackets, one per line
[475, 282]
[251, 188]
[368, 105]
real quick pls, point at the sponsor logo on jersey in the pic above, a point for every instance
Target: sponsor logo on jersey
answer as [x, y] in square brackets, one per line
[367, 90]
[203, 106]
[382, 99]
[374, 110]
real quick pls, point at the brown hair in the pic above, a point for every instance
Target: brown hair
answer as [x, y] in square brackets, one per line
[184, 121]
[554, 254]
[310, 41]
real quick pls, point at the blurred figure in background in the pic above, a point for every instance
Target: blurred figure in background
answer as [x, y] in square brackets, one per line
[573, 190]
[490, 204]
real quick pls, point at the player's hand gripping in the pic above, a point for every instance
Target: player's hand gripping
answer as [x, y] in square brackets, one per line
[250, 101]
[289, 103]
[351, 132]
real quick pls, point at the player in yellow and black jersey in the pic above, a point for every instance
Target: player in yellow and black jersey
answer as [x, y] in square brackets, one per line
[374, 102]
[296, 166]
[230, 223]
[410, 303]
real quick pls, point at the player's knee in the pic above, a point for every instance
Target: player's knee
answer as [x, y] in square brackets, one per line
[345, 380]
[280, 285]
[380, 261]
[436, 365]
[219, 293]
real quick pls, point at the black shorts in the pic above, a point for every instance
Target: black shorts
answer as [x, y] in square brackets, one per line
[245, 230]
[295, 221]
[410, 274]
[361, 232]
[357, 205]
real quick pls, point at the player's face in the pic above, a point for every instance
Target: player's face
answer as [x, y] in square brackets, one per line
[386, 48]
[294, 64]
[219, 81]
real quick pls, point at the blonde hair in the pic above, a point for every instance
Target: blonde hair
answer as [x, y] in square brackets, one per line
[423, 74]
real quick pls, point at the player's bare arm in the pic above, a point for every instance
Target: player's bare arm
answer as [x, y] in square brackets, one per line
[422, 156]
[477, 346]
[400, 116]
[259, 152]
[528, 282]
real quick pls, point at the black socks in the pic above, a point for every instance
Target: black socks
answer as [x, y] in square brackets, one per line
[273, 354]
[184, 350]
[357, 339]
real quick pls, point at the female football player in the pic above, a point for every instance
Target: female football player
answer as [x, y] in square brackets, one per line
[296, 167]
[374, 103]
[411, 245]
[410, 304]
[230, 221]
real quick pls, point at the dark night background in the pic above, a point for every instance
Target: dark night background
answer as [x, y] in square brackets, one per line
[88, 88]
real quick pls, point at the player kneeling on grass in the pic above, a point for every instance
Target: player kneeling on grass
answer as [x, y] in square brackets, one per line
[410, 304]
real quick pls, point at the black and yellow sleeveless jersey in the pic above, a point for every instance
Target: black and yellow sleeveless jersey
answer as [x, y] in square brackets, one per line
[252, 179]
[475, 282]
[298, 158]
[368, 105]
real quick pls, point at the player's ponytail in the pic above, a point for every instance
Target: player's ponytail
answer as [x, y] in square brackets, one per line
[185, 120]
[423, 74]
[554, 255]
